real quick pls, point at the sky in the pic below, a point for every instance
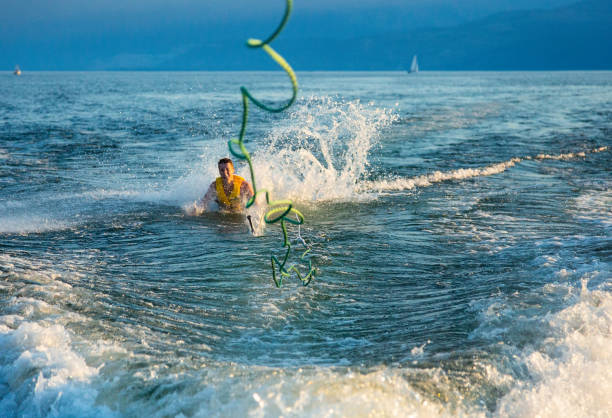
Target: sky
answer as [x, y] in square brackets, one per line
[103, 16]
[23, 11]
[162, 34]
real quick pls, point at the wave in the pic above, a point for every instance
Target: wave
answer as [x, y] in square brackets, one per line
[595, 206]
[426, 180]
[552, 363]
[570, 374]
[320, 152]
[41, 372]
[48, 369]
[32, 223]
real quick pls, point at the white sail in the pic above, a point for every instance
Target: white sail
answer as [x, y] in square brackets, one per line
[414, 67]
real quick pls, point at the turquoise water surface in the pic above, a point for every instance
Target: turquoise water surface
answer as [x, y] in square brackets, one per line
[460, 224]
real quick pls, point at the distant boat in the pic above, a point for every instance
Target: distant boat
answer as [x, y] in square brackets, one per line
[414, 67]
[17, 70]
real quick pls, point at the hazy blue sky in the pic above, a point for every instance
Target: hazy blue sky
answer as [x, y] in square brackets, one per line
[158, 34]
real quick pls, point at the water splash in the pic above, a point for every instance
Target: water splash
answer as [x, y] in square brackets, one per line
[321, 152]
[565, 370]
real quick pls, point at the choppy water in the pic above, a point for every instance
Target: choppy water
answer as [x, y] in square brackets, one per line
[461, 224]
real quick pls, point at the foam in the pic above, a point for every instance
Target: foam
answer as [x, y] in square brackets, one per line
[551, 364]
[426, 180]
[570, 374]
[40, 374]
[47, 370]
[312, 391]
[564, 371]
[26, 223]
[595, 206]
[328, 393]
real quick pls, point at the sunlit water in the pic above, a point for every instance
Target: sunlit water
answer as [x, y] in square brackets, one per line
[460, 224]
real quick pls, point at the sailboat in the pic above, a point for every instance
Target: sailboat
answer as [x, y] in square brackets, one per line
[17, 70]
[414, 67]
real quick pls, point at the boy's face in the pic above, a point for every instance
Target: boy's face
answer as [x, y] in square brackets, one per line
[226, 170]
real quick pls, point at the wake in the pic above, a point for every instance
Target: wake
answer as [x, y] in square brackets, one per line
[464, 173]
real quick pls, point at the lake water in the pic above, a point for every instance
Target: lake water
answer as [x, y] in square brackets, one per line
[460, 224]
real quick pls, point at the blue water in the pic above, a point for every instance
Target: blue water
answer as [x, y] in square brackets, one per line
[460, 224]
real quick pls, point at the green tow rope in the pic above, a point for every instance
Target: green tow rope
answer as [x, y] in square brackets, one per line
[279, 209]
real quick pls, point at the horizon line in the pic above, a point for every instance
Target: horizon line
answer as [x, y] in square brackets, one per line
[302, 71]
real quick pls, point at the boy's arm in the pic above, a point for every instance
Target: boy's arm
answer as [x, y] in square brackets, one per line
[208, 197]
[246, 190]
[200, 206]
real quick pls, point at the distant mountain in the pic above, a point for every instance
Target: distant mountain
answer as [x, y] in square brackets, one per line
[573, 37]
[568, 38]
[363, 37]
